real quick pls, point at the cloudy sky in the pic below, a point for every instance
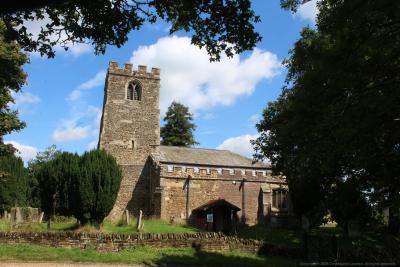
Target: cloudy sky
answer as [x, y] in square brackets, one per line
[62, 100]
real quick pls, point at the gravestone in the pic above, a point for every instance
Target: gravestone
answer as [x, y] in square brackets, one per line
[24, 215]
[125, 218]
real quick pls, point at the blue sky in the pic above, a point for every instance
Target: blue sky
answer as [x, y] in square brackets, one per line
[62, 100]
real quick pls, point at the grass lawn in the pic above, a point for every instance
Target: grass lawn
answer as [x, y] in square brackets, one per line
[285, 237]
[277, 236]
[150, 226]
[145, 255]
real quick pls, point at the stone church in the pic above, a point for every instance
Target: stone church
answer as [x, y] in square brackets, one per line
[209, 188]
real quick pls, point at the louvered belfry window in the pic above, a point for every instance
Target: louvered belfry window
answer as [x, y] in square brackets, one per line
[134, 91]
[129, 93]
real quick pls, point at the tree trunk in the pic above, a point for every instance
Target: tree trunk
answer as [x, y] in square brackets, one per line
[394, 221]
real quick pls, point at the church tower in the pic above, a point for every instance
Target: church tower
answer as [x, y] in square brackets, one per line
[130, 131]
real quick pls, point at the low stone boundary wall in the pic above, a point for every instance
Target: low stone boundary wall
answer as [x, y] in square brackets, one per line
[114, 242]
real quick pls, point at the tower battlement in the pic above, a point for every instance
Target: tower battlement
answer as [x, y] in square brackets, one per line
[128, 70]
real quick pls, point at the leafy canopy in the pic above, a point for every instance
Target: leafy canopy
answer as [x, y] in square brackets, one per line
[336, 125]
[178, 128]
[12, 78]
[219, 26]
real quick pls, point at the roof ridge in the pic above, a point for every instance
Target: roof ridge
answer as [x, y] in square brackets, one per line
[202, 148]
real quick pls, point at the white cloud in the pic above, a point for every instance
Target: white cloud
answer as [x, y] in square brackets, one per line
[253, 119]
[308, 11]
[74, 95]
[82, 123]
[24, 151]
[239, 144]
[189, 77]
[24, 98]
[84, 119]
[70, 134]
[95, 81]
[75, 49]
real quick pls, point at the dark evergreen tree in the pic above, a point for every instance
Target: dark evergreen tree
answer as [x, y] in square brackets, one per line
[338, 118]
[57, 183]
[34, 167]
[178, 128]
[14, 188]
[98, 186]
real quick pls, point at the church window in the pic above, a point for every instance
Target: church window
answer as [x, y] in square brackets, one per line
[279, 198]
[134, 91]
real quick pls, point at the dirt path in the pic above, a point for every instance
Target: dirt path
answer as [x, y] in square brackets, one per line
[61, 264]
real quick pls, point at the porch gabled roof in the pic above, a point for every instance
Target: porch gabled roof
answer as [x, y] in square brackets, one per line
[216, 203]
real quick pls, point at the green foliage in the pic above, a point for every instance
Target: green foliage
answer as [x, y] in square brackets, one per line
[338, 118]
[67, 184]
[56, 179]
[213, 24]
[14, 189]
[97, 187]
[178, 129]
[34, 167]
[12, 77]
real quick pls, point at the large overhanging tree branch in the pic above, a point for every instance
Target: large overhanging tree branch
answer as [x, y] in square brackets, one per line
[219, 26]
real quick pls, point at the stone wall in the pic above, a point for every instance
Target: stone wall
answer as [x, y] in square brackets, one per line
[115, 242]
[130, 131]
[209, 184]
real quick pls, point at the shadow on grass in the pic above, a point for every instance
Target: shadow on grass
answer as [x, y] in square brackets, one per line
[232, 258]
[278, 236]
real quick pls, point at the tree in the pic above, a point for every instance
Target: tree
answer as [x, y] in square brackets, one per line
[178, 128]
[97, 186]
[12, 77]
[14, 189]
[338, 117]
[220, 26]
[54, 175]
[34, 167]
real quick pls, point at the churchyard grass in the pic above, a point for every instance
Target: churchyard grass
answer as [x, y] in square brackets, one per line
[150, 226]
[285, 237]
[145, 255]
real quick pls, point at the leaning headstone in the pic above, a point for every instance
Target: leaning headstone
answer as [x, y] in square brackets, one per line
[24, 215]
[5, 215]
[139, 224]
[125, 218]
[41, 217]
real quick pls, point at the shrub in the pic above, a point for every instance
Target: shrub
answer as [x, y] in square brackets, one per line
[97, 187]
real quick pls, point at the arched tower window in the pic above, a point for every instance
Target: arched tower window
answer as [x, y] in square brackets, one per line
[134, 91]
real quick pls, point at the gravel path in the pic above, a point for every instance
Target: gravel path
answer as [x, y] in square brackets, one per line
[60, 264]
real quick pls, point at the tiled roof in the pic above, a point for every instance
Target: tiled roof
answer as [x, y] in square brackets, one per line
[205, 157]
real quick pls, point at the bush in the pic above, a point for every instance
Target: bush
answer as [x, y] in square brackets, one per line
[97, 187]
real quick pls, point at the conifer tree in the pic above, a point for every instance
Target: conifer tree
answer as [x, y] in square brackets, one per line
[97, 187]
[14, 189]
[178, 129]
